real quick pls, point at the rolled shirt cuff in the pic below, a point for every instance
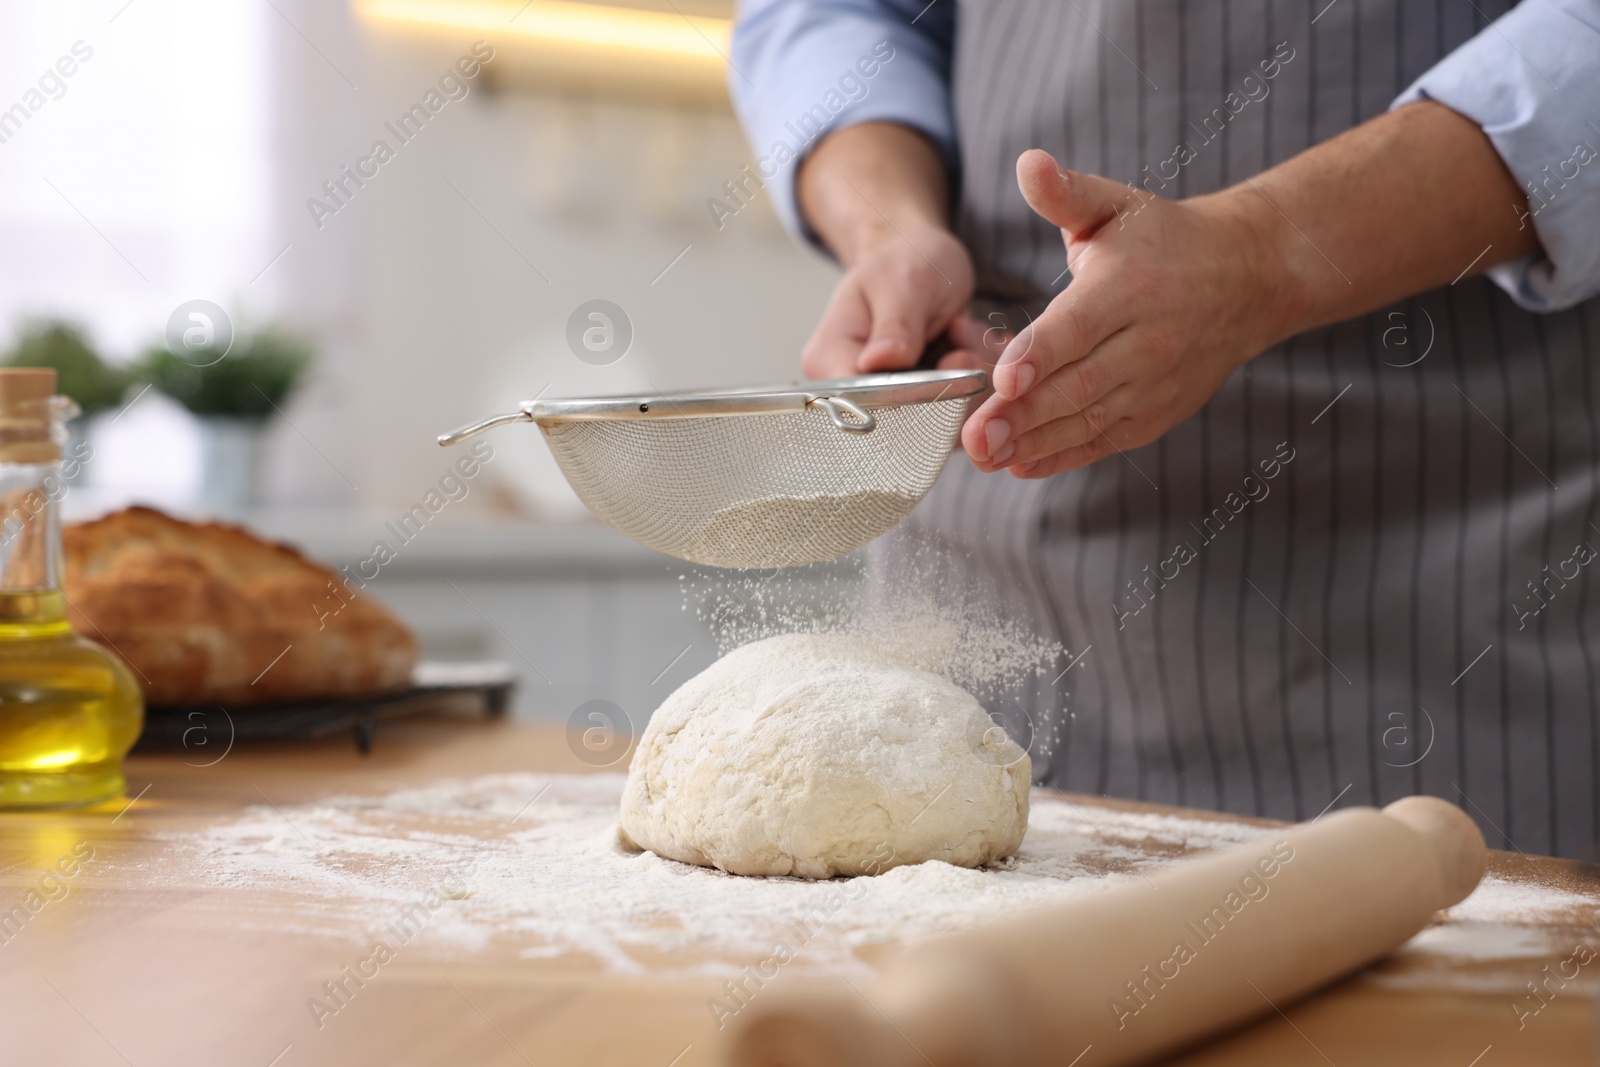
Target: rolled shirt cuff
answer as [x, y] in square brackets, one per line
[794, 83]
[1531, 81]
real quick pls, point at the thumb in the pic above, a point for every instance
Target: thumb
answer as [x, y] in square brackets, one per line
[1078, 203]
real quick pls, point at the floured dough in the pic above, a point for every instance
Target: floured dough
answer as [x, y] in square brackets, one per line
[816, 755]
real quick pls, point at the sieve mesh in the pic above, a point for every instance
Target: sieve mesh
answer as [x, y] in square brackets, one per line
[767, 490]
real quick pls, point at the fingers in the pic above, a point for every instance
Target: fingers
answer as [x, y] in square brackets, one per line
[1072, 458]
[1078, 203]
[1071, 430]
[871, 324]
[835, 345]
[906, 314]
[899, 331]
[881, 317]
[1081, 388]
[959, 359]
[965, 336]
[1088, 313]
[1090, 309]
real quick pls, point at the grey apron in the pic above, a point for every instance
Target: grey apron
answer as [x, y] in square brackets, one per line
[1361, 571]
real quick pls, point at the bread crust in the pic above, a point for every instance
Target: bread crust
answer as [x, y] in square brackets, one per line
[204, 613]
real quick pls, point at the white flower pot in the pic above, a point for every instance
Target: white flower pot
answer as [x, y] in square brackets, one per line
[230, 463]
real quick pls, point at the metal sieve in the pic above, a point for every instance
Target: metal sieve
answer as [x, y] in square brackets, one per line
[764, 477]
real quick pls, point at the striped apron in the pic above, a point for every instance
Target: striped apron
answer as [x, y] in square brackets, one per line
[1362, 570]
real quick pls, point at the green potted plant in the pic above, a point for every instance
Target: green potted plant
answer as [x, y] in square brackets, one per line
[80, 374]
[233, 394]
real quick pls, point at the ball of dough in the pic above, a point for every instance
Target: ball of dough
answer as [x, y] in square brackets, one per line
[815, 755]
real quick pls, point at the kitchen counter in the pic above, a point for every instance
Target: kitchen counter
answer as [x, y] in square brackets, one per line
[143, 955]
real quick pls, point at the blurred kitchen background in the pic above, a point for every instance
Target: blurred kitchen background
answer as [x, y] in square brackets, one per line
[182, 159]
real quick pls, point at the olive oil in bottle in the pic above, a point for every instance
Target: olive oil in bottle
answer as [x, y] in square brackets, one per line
[69, 710]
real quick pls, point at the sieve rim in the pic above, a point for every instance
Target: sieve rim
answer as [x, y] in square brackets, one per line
[886, 390]
[889, 389]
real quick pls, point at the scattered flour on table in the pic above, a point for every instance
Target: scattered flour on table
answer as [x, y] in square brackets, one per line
[533, 858]
[553, 878]
[1516, 903]
[1480, 941]
[1503, 921]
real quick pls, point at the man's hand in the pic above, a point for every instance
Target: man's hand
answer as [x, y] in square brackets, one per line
[1168, 297]
[878, 196]
[899, 295]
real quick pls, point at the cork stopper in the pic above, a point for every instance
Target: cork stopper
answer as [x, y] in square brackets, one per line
[28, 416]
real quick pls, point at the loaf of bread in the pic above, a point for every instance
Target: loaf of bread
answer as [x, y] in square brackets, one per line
[208, 613]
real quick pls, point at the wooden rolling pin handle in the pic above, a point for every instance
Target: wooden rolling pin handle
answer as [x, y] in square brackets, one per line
[1097, 980]
[1454, 840]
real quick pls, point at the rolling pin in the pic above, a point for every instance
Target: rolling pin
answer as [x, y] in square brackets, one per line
[1141, 969]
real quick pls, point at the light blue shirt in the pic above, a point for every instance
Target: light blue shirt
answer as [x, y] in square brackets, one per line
[1531, 80]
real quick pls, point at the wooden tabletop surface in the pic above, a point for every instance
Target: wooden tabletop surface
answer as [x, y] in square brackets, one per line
[124, 960]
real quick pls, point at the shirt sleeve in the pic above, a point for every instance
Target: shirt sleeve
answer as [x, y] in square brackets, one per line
[1531, 80]
[802, 68]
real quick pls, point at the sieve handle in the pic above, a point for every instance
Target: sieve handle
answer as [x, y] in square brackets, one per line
[476, 428]
[864, 421]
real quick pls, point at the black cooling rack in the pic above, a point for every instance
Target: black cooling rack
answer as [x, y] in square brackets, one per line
[202, 729]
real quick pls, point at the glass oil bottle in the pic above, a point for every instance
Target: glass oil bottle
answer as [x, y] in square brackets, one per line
[69, 710]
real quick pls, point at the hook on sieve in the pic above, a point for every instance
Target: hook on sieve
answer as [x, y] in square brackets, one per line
[836, 406]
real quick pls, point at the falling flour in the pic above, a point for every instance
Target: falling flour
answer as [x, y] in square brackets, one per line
[963, 637]
[783, 531]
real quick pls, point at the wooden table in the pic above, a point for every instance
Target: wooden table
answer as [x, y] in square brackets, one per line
[125, 969]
